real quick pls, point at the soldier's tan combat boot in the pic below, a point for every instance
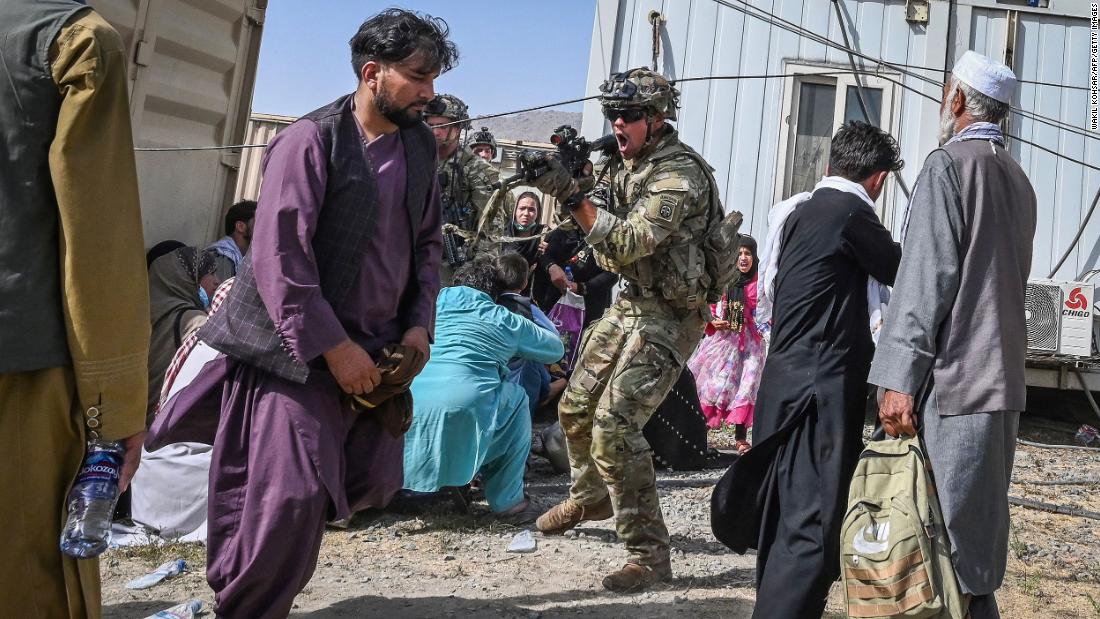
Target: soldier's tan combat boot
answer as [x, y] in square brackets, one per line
[633, 577]
[569, 513]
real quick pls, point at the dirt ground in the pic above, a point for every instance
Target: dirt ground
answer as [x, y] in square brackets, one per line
[440, 565]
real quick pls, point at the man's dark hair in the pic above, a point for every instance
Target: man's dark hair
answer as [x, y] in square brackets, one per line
[479, 274]
[512, 270]
[241, 211]
[860, 149]
[396, 34]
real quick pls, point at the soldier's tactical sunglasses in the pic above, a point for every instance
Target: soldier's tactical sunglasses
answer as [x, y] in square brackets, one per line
[629, 115]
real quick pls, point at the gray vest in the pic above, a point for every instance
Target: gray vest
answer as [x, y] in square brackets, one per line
[982, 342]
[32, 328]
[243, 328]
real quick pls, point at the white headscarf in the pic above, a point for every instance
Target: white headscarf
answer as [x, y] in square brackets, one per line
[878, 294]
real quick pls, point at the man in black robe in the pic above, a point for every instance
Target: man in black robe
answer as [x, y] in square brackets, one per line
[787, 495]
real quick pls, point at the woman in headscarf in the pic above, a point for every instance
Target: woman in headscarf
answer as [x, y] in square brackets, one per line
[181, 284]
[526, 224]
[727, 363]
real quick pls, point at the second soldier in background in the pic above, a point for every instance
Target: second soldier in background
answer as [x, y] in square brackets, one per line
[466, 185]
[483, 144]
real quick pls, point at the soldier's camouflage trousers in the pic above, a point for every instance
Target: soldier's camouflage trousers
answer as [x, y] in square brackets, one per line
[628, 362]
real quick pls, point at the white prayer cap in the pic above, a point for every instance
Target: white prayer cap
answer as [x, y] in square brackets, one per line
[987, 76]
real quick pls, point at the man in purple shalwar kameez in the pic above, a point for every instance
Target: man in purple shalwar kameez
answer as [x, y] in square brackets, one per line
[344, 260]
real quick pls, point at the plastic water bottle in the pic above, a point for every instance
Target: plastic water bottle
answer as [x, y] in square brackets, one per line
[569, 273]
[92, 501]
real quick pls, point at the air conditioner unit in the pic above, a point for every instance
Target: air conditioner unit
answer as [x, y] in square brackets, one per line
[1059, 317]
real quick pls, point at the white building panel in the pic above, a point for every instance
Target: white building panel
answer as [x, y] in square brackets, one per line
[193, 64]
[744, 127]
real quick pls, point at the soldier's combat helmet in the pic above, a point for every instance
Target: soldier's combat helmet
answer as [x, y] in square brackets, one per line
[482, 137]
[640, 88]
[449, 106]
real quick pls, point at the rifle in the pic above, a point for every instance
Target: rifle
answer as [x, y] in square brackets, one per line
[454, 246]
[572, 150]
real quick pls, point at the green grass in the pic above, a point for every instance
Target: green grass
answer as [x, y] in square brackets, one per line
[1095, 604]
[1018, 548]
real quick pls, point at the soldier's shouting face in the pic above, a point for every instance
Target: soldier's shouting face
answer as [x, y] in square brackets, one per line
[633, 128]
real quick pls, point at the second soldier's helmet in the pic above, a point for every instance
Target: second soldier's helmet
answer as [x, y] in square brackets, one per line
[449, 106]
[482, 137]
[640, 88]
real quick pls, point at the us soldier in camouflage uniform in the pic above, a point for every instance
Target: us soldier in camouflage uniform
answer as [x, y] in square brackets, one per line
[483, 144]
[465, 183]
[661, 201]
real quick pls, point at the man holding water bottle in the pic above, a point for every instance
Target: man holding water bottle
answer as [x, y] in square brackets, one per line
[74, 320]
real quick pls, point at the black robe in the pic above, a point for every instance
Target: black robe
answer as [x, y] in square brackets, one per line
[787, 495]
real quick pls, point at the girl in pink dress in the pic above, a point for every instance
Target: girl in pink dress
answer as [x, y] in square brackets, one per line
[727, 363]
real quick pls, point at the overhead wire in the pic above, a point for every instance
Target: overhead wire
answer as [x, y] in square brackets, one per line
[863, 100]
[527, 109]
[799, 30]
[1077, 237]
[161, 149]
[803, 32]
[1022, 81]
[873, 72]
[893, 81]
[476, 118]
[770, 18]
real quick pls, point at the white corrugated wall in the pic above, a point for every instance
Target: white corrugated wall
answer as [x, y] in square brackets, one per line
[261, 129]
[736, 125]
[192, 70]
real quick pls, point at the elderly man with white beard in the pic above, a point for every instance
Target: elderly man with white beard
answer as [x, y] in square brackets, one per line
[951, 353]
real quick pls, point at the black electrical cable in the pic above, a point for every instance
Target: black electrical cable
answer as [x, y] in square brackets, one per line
[875, 73]
[1021, 81]
[901, 85]
[529, 109]
[799, 30]
[1053, 508]
[187, 148]
[487, 116]
[779, 22]
[950, 31]
[863, 100]
[1029, 115]
[1073, 243]
[762, 76]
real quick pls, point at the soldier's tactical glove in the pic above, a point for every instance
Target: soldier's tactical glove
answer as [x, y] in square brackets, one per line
[555, 180]
[587, 182]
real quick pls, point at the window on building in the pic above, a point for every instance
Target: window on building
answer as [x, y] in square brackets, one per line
[854, 111]
[817, 103]
[812, 133]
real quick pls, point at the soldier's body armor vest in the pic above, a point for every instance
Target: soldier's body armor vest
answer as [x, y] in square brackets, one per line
[676, 273]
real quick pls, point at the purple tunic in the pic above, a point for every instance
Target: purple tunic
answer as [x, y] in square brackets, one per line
[287, 455]
[293, 190]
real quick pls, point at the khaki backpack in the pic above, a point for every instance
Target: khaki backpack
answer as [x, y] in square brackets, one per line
[721, 241]
[895, 556]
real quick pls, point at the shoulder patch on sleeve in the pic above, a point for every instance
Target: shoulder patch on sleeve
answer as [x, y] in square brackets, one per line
[665, 207]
